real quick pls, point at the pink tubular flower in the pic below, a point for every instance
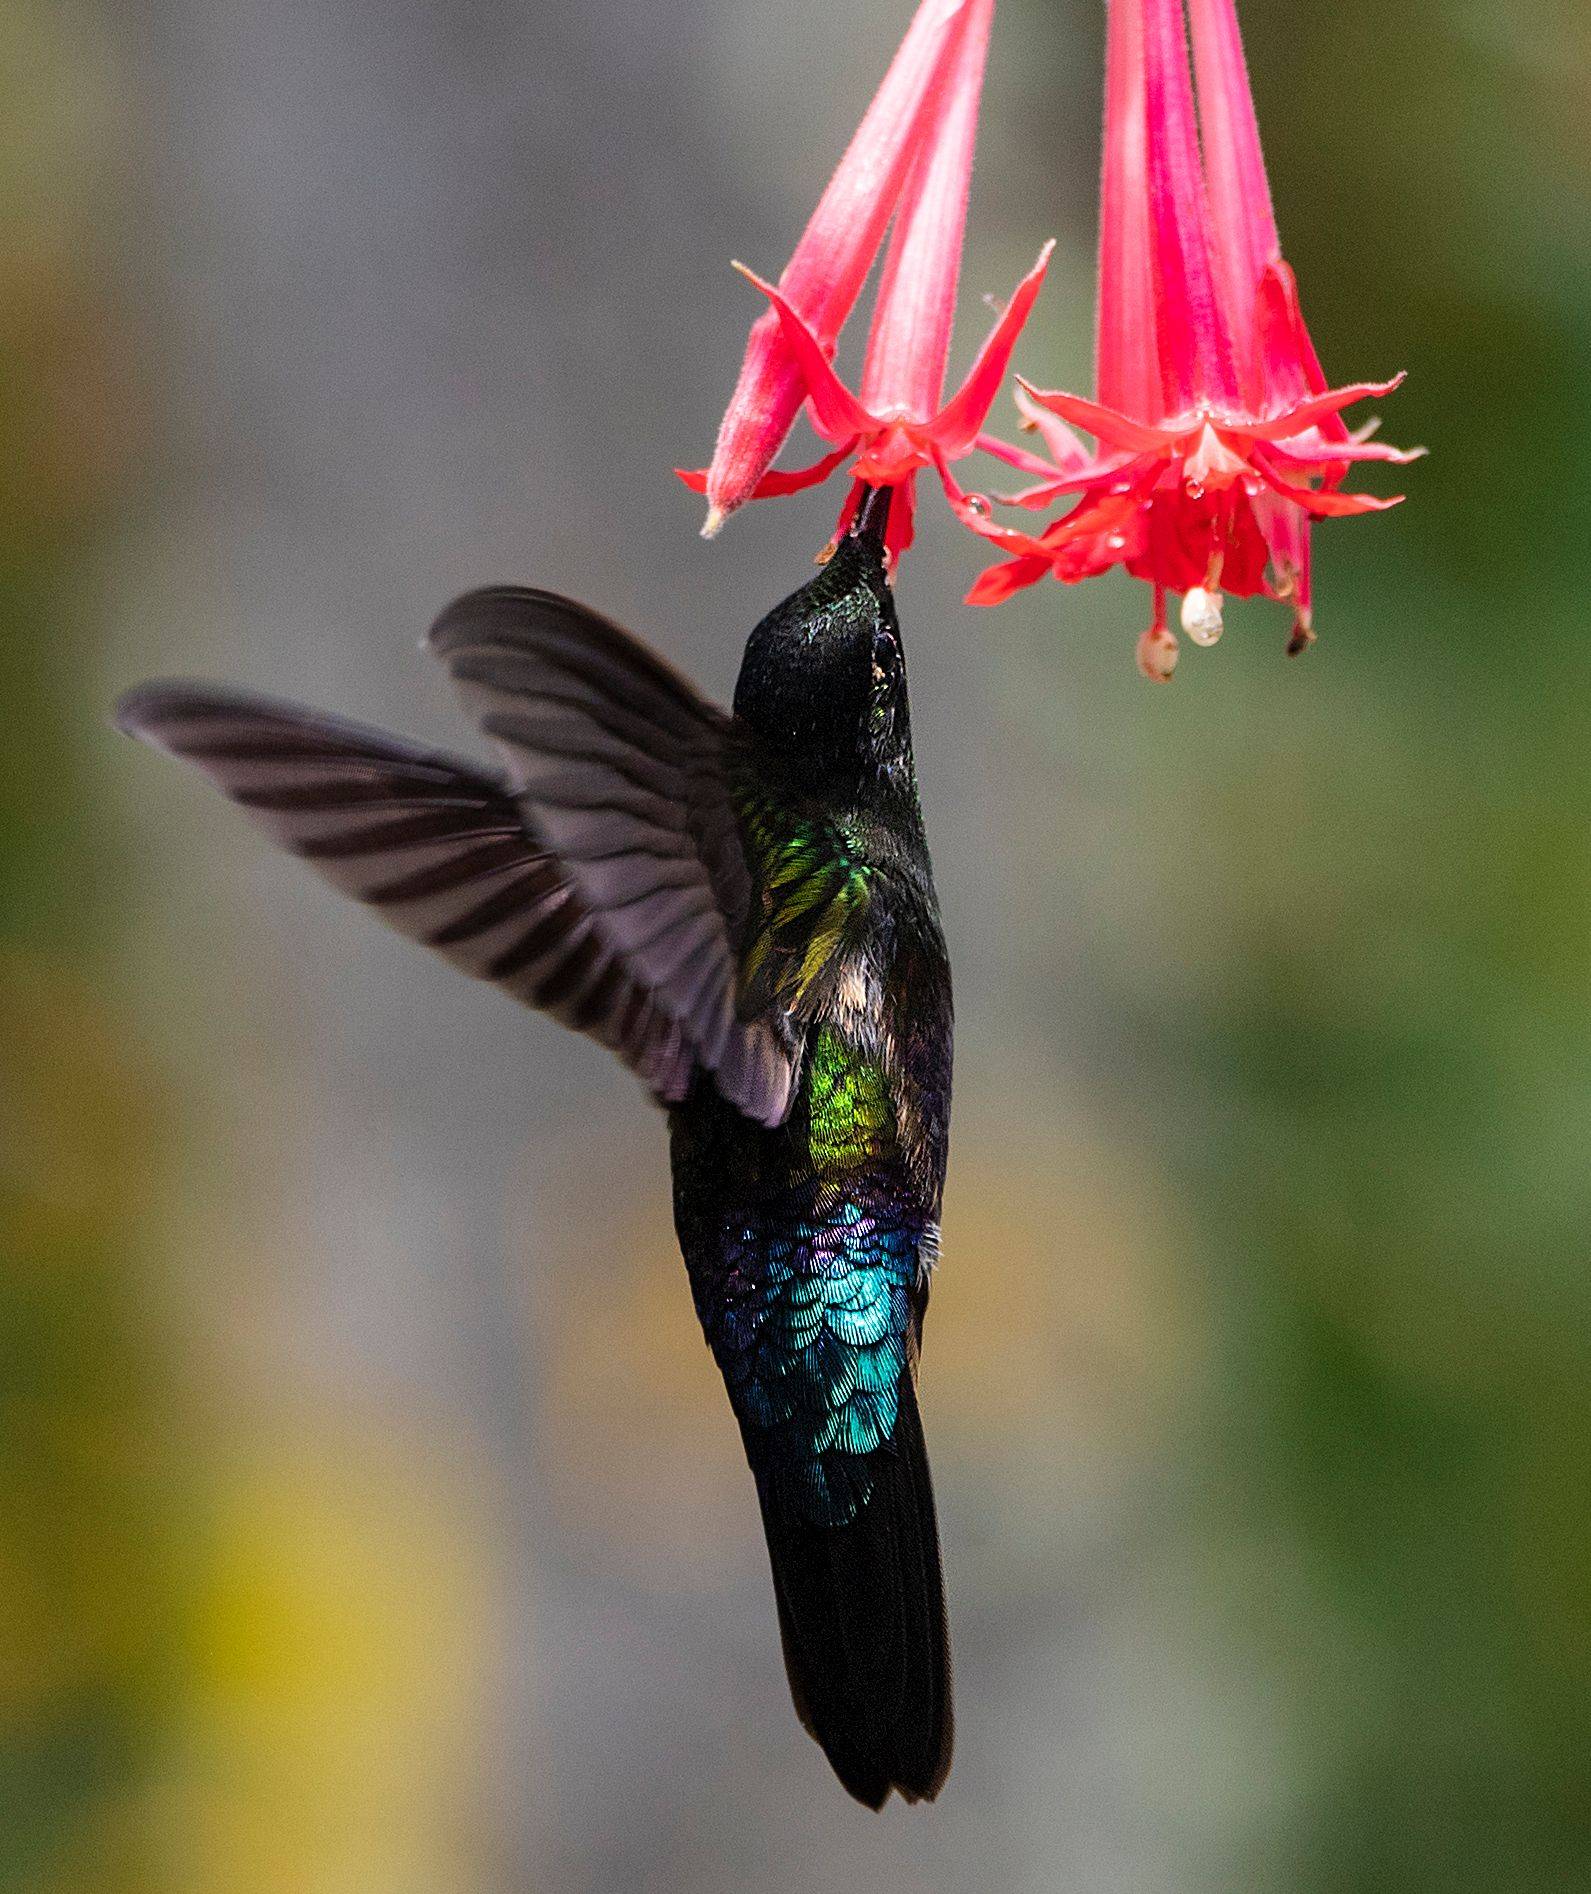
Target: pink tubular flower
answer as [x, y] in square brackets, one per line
[1218, 441]
[826, 272]
[916, 147]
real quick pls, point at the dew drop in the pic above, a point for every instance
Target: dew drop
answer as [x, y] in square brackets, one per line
[1195, 489]
[978, 505]
[1116, 541]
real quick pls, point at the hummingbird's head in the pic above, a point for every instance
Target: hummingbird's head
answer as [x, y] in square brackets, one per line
[823, 681]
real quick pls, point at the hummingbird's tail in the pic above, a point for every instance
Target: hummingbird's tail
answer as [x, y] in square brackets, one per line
[862, 1619]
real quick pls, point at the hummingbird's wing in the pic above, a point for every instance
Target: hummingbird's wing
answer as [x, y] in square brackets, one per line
[439, 846]
[629, 776]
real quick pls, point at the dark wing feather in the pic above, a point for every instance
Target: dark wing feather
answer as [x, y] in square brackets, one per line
[438, 846]
[626, 772]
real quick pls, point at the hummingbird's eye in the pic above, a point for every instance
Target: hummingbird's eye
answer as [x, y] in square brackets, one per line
[886, 657]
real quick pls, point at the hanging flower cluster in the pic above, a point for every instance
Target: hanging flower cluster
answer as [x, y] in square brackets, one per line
[1217, 442]
[911, 160]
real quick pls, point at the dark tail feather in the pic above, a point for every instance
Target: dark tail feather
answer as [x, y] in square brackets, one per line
[862, 1618]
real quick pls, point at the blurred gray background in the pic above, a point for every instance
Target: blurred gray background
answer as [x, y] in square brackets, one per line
[377, 1519]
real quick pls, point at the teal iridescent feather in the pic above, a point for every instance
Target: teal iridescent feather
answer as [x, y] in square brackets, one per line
[806, 1247]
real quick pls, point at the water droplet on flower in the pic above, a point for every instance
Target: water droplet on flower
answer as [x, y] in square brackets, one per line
[1116, 541]
[1121, 486]
[1195, 489]
[979, 506]
[1201, 615]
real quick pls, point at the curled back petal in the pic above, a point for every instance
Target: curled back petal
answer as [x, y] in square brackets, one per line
[1060, 443]
[1319, 408]
[998, 583]
[1321, 503]
[1332, 455]
[1105, 424]
[778, 481]
[1021, 458]
[836, 412]
[956, 428]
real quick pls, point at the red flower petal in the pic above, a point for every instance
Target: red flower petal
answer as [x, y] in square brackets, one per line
[1311, 413]
[1322, 503]
[835, 410]
[1060, 443]
[998, 583]
[1105, 424]
[780, 481]
[1333, 455]
[956, 428]
[1018, 457]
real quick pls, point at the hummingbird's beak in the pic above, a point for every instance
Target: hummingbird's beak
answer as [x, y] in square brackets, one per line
[871, 518]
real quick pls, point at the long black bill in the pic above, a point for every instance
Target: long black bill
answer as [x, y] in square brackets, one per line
[872, 518]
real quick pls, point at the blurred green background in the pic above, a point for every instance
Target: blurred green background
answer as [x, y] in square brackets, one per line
[369, 1515]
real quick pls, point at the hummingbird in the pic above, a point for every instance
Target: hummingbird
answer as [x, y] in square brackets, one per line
[742, 907]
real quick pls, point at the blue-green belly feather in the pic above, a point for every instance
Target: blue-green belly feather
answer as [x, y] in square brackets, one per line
[805, 1285]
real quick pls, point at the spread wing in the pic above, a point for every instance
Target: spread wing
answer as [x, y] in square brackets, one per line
[629, 776]
[630, 874]
[438, 846]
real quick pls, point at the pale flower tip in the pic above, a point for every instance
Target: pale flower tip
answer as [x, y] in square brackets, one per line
[1157, 654]
[1201, 615]
[713, 525]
